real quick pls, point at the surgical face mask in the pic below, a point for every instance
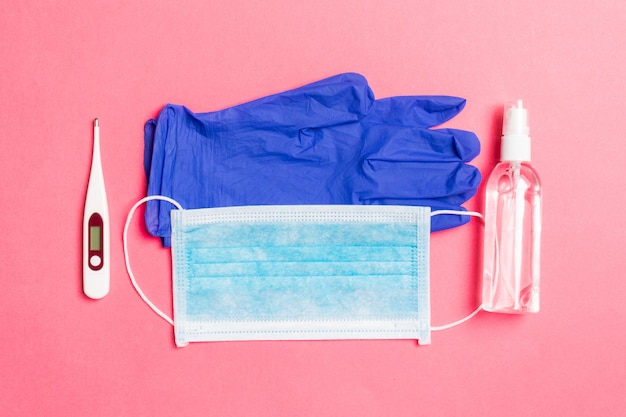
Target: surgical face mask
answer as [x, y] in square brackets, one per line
[298, 272]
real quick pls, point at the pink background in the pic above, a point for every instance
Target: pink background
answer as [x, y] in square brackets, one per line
[65, 62]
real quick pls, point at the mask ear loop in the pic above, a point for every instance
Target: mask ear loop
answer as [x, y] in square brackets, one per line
[128, 269]
[480, 307]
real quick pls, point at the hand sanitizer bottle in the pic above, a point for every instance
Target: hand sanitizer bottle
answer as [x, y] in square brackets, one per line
[512, 223]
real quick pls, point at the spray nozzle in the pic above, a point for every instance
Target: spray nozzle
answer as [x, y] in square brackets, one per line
[515, 119]
[515, 138]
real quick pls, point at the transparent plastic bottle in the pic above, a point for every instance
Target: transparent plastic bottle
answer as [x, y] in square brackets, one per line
[512, 223]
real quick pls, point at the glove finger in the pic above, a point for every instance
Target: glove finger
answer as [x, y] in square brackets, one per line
[451, 182]
[339, 99]
[402, 144]
[414, 111]
[466, 143]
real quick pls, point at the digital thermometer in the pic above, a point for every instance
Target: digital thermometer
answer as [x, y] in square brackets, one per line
[96, 233]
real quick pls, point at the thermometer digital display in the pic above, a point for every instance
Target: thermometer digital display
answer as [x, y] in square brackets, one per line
[96, 238]
[96, 255]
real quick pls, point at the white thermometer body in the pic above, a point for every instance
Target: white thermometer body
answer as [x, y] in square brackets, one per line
[96, 231]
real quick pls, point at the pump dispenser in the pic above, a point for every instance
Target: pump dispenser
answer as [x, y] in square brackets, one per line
[512, 222]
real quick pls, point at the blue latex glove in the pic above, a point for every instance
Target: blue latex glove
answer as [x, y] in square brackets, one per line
[328, 142]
